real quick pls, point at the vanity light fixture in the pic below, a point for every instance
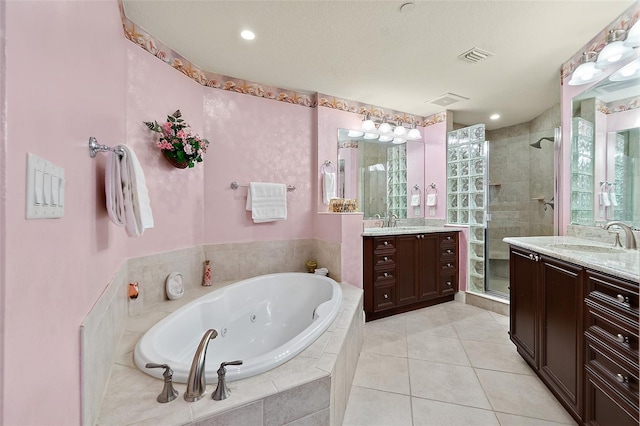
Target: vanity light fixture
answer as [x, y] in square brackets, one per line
[586, 71]
[633, 36]
[386, 132]
[628, 72]
[615, 50]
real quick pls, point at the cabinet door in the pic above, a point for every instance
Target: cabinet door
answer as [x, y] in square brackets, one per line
[523, 325]
[429, 267]
[561, 355]
[605, 407]
[407, 261]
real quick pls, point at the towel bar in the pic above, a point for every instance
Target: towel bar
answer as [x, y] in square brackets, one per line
[95, 147]
[234, 185]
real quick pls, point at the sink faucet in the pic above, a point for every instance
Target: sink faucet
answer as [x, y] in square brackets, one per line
[392, 220]
[196, 383]
[630, 238]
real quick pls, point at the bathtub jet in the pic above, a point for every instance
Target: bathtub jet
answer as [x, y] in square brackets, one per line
[264, 321]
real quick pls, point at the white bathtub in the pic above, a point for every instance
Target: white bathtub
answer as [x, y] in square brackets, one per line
[263, 321]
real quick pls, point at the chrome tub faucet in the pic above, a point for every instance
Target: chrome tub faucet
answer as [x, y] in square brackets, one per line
[196, 383]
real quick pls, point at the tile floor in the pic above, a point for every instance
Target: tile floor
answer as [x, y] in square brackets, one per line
[450, 364]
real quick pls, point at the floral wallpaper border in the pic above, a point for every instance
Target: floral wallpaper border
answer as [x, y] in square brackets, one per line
[146, 41]
[619, 105]
[596, 44]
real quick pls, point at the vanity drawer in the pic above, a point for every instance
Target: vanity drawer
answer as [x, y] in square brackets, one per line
[618, 295]
[448, 268]
[448, 251]
[384, 243]
[619, 372]
[384, 297]
[448, 284]
[447, 240]
[615, 331]
[385, 259]
[606, 407]
[384, 276]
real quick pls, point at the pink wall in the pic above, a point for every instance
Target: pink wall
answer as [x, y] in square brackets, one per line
[415, 174]
[256, 139]
[435, 163]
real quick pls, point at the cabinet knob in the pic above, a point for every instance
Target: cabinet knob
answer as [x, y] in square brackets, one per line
[386, 243]
[531, 256]
[385, 274]
[417, 237]
[448, 283]
[622, 339]
[449, 251]
[386, 296]
[622, 379]
[622, 299]
[385, 258]
[448, 238]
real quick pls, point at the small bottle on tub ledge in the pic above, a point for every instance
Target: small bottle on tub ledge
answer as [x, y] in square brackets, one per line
[206, 280]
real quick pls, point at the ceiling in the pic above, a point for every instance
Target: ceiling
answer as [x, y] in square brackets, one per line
[374, 53]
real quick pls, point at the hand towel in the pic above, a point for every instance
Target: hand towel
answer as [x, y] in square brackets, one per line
[432, 199]
[267, 201]
[328, 186]
[604, 199]
[613, 199]
[113, 189]
[128, 200]
[415, 200]
[321, 271]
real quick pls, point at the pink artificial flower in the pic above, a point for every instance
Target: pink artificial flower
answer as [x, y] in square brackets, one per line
[167, 128]
[188, 149]
[181, 135]
[163, 144]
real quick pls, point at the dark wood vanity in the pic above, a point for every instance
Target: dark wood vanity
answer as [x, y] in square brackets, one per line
[409, 271]
[578, 329]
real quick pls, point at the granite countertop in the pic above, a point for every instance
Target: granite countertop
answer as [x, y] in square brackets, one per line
[404, 230]
[594, 255]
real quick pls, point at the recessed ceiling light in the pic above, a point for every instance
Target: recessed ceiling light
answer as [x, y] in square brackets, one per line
[247, 35]
[495, 116]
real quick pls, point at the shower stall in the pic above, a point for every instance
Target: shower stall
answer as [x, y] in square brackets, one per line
[502, 186]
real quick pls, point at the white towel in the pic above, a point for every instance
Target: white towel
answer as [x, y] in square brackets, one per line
[128, 200]
[415, 200]
[328, 186]
[321, 271]
[604, 199]
[432, 199]
[613, 199]
[267, 201]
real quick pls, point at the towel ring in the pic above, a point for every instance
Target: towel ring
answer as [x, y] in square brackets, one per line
[432, 187]
[328, 166]
[416, 187]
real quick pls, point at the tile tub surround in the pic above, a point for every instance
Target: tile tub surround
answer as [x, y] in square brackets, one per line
[104, 324]
[314, 386]
[625, 264]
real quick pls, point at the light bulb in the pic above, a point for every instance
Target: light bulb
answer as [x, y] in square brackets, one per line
[414, 134]
[399, 140]
[385, 138]
[384, 128]
[612, 53]
[370, 136]
[368, 125]
[355, 133]
[400, 131]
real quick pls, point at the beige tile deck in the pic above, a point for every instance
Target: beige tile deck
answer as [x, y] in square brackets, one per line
[447, 365]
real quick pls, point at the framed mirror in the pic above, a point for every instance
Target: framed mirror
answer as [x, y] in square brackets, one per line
[605, 152]
[376, 174]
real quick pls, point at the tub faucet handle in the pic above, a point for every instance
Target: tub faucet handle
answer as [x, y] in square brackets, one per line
[168, 393]
[223, 391]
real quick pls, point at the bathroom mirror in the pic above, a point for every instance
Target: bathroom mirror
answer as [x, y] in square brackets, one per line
[374, 173]
[605, 155]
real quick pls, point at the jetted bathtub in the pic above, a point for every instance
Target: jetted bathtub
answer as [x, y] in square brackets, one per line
[263, 321]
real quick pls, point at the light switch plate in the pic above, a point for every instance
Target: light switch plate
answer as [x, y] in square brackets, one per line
[43, 180]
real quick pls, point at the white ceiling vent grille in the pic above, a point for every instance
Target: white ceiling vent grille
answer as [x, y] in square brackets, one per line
[447, 99]
[475, 55]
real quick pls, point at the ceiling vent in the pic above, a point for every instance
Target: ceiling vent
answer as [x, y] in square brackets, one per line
[447, 99]
[475, 55]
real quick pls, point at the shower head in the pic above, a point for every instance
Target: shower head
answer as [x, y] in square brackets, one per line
[537, 144]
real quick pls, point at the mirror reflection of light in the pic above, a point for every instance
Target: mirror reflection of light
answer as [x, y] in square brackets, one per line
[628, 72]
[355, 134]
[370, 136]
[385, 128]
[385, 138]
[399, 140]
